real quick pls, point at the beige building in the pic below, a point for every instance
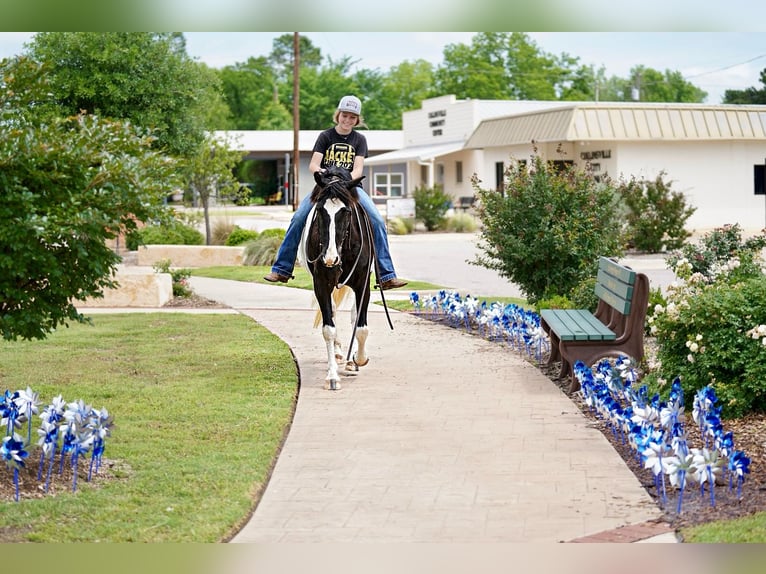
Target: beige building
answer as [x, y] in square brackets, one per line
[712, 154]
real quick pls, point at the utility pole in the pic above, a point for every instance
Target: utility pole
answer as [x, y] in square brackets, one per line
[296, 116]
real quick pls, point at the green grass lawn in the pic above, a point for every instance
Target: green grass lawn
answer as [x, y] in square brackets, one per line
[200, 406]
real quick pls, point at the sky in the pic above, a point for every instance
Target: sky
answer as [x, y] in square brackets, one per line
[713, 61]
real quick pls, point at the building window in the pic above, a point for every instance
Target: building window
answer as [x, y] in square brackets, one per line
[459, 171]
[439, 174]
[499, 177]
[389, 185]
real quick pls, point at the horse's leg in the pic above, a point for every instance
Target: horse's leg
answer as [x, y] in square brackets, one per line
[332, 380]
[361, 301]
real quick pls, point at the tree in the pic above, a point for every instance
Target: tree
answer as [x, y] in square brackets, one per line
[501, 66]
[209, 173]
[655, 86]
[405, 86]
[251, 91]
[749, 95]
[69, 185]
[146, 78]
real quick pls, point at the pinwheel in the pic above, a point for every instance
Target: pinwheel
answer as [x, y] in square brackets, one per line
[415, 300]
[49, 435]
[9, 411]
[653, 459]
[27, 402]
[707, 464]
[739, 465]
[100, 427]
[677, 467]
[13, 454]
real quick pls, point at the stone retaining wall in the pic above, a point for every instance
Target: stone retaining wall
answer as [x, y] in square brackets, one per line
[138, 287]
[190, 255]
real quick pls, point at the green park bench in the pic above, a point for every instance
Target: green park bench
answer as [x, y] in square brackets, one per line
[615, 328]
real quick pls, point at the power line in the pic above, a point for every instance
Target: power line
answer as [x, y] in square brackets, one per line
[725, 67]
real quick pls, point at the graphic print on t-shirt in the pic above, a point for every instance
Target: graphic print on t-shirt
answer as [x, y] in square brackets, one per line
[340, 154]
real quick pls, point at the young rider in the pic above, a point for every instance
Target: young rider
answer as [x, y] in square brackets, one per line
[345, 147]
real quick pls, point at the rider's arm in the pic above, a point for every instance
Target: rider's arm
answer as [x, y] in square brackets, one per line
[316, 162]
[358, 168]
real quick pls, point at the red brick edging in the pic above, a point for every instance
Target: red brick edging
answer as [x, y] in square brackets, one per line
[629, 533]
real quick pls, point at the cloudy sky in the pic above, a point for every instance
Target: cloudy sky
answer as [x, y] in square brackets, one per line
[714, 61]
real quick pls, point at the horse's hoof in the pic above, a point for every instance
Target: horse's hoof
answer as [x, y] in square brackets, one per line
[350, 369]
[361, 364]
[332, 385]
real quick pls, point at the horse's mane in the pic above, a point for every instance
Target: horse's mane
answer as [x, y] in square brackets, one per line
[334, 183]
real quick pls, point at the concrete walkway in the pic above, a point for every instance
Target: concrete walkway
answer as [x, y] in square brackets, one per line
[443, 437]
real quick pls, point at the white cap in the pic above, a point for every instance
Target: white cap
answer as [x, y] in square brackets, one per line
[350, 104]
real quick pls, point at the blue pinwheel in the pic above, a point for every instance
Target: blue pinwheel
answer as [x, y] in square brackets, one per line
[27, 402]
[13, 454]
[739, 466]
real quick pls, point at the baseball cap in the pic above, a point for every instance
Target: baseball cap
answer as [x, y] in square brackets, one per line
[350, 104]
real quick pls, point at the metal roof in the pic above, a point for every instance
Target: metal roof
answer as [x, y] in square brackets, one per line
[623, 122]
[413, 153]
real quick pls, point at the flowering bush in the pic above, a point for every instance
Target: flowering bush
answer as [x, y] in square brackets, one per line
[179, 277]
[704, 331]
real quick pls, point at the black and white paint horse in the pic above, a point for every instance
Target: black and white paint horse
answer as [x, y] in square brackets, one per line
[337, 250]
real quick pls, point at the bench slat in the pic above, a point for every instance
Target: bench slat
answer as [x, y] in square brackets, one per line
[616, 270]
[615, 284]
[576, 325]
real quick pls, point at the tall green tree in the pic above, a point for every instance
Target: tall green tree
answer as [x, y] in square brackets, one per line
[68, 185]
[501, 66]
[144, 77]
[251, 91]
[210, 173]
[655, 86]
[751, 95]
[406, 85]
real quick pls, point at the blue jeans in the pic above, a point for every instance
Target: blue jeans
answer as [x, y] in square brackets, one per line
[288, 251]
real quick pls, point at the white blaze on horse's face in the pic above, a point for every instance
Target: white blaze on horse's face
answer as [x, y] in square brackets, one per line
[332, 254]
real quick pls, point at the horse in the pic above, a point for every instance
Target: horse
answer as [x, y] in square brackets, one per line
[337, 250]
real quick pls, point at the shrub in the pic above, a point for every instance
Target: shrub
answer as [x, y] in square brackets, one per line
[704, 331]
[555, 302]
[546, 231]
[262, 251]
[179, 277]
[431, 204]
[172, 233]
[462, 223]
[238, 236]
[584, 296]
[397, 226]
[655, 215]
[277, 232]
[717, 249]
[221, 231]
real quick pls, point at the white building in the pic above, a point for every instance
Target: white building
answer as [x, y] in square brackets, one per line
[713, 154]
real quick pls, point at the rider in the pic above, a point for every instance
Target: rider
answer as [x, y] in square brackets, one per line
[344, 147]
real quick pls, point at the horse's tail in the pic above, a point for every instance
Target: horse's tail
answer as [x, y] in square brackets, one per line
[338, 297]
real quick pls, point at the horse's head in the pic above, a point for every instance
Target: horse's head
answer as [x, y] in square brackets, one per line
[334, 197]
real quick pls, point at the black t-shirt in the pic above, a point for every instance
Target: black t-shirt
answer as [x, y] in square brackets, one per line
[340, 150]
